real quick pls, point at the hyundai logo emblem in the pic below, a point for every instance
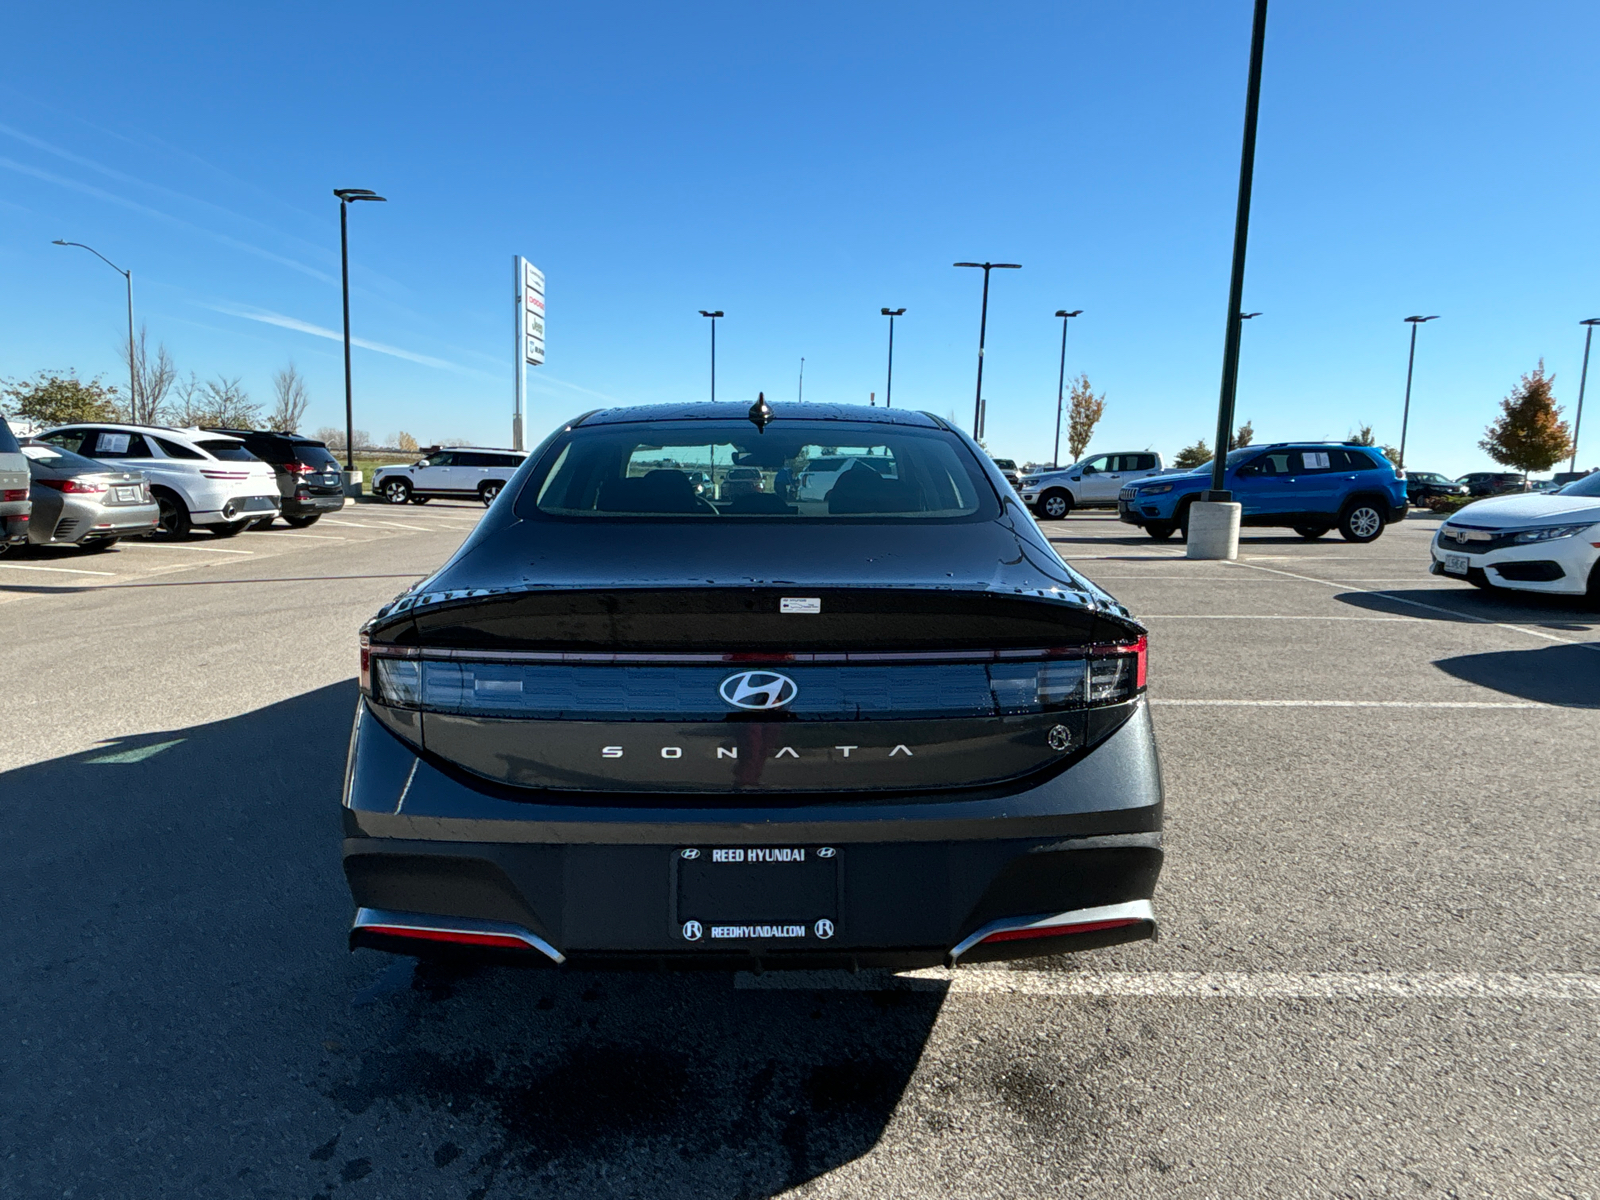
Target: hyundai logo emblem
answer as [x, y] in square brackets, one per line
[758, 689]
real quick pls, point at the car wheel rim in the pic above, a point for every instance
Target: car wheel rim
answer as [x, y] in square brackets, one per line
[489, 494]
[1364, 522]
[396, 493]
[1054, 507]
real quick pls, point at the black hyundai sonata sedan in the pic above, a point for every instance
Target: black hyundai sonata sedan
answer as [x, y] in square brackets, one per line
[655, 712]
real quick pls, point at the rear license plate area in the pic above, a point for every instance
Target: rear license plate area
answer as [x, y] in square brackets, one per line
[735, 897]
[1455, 564]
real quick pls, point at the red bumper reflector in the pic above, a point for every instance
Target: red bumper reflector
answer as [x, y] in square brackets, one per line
[447, 935]
[1039, 931]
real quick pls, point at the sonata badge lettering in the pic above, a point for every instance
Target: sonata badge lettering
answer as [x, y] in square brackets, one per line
[758, 690]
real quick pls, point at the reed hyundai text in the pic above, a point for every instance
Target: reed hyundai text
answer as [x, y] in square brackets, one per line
[667, 707]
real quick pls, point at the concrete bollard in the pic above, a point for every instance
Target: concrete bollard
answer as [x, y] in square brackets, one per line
[1214, 529]
[352, 483]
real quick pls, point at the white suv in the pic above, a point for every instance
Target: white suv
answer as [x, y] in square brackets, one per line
[459, 473]
[1092, 483]
[197, 478]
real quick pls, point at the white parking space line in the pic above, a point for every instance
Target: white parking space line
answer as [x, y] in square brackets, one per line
[1260, 617]
[342, 524]
[1193, 985]
[1162, 703]
[400, 525]
[319, 537]
[1449, 612]
[58, 570]
[180, 546]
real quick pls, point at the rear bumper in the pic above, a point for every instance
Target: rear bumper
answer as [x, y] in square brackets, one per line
[239, 508]
[597, 883]
[294, 506]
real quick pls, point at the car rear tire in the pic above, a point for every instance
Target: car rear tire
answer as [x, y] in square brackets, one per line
[264, 523]
[395, 491]
[173, 521]
[1361, 522]
[1055, 504]
[230, 529]
[1311, 532]
[1159, 530]
[302, 522]
[489, 490]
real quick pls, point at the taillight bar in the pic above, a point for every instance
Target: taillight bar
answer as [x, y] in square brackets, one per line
[1082, 920]
[72, 486]
[1138, 646]
[459, 931]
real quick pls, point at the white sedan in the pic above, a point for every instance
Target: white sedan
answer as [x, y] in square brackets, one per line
[1530, 542]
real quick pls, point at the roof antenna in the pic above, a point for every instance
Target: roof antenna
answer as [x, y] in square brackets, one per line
[761, 412]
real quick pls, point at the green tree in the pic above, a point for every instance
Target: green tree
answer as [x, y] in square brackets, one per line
[1529, 434]
[1197, 455]
[51, 399]
[1245, 435]
[1083, 415]
[1363, 436]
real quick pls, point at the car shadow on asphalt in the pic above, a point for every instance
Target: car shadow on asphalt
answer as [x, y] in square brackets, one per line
[189, 1013]
[1567, 613]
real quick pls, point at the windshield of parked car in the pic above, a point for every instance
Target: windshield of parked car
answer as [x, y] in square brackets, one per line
[227, 451]
[1589, 485]
[709, 471]
[8, 440]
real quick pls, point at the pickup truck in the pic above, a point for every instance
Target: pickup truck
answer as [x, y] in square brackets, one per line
[1091, 483]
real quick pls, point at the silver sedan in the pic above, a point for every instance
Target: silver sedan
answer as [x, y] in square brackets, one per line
[84, 502]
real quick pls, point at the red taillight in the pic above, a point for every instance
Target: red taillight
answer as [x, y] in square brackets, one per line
[22, 493]
[459, 937]
[300, 468]
[1040, 931]
[1142, 648]
[74, 486]
[364, 676]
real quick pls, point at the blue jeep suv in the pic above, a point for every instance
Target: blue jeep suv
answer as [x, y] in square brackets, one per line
[1308, 487]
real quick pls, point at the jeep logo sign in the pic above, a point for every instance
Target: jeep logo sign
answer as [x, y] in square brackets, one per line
[758, 689]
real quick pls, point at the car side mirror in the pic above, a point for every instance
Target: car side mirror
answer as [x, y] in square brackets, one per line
[1248, 470]
[1091, 470]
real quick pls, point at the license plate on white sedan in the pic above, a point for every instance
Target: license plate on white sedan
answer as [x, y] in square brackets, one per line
[1455, 564]
[128, 495]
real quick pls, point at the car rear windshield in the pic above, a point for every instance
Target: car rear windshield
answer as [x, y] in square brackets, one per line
[8, 440]
[709, 470]
[53, 459]
[227, 451]
[315, 456]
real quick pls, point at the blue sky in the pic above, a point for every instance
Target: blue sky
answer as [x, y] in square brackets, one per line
[801, 167]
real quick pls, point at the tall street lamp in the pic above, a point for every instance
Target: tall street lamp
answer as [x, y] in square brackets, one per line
[983, 326]
[888, 390]
[1061, 380]
[347, 197]
[133, 386]
[1405, 416]
[713, 316]
[1577, 424]
[800, 392]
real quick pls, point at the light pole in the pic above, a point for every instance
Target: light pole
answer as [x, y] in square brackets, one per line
[347, 197]
[1061, 380]
[1411, 361]
[713, 316]
[800, 394]
[983, 327]
[1583, 379]
[1241, 235]
[888, 389]
[133, 386]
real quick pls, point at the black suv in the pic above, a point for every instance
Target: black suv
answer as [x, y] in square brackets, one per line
[1493, 483]
[309, 479]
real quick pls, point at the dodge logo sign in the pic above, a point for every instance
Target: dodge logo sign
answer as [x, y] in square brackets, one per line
[758, 689]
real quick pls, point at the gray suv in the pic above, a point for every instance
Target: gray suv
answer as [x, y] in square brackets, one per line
[1092, 483]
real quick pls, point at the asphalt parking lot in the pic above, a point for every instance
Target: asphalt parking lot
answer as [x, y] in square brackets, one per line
[1379, 973]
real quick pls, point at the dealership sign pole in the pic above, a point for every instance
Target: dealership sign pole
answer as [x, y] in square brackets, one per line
[529, 283]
